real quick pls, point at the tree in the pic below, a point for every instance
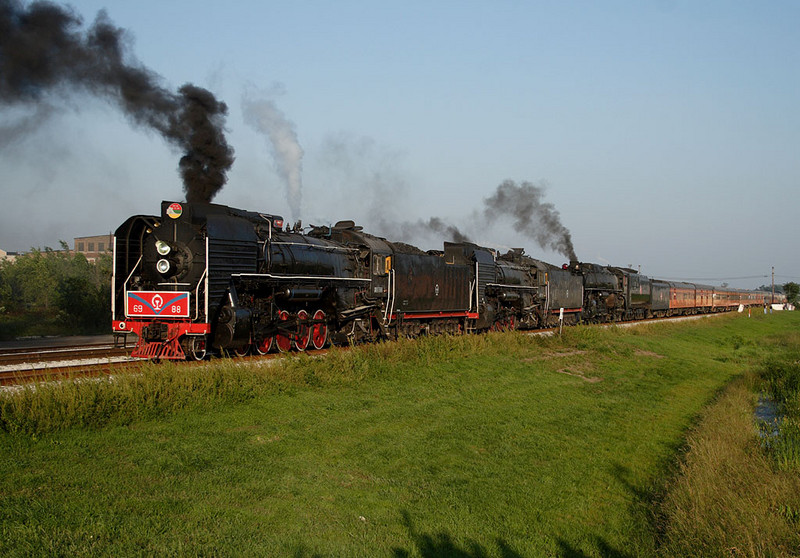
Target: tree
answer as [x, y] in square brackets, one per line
[792, 290]
[58, 286]
[5, 288]
[79, 303]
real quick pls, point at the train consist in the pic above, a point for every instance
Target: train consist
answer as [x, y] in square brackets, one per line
[204, 277]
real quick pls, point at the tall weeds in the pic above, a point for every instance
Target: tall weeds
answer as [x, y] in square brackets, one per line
[782, 385]
[737, 492]
[150, 392]
[727, 499]
[157, 390]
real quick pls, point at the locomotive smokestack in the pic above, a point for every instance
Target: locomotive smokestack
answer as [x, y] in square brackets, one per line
[539, 221]
[266, 118]
[44, 50]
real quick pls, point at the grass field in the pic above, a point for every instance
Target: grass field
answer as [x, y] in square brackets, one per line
[499, 445]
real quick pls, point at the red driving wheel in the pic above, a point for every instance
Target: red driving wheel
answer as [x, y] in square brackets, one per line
[303, 331]
[319, 331]
[282, 341]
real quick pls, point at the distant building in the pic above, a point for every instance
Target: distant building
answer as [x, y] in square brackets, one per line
[94, 246]
[8, 256]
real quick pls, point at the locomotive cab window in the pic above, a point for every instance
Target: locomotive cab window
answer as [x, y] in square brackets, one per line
[381, 264]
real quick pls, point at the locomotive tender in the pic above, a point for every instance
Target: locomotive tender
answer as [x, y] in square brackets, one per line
[202, 277]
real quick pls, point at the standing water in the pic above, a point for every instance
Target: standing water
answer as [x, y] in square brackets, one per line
[767, 418]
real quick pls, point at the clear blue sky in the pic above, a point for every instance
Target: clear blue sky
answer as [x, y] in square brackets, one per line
[667, 132]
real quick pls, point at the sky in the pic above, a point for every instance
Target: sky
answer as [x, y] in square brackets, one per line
[665, 134]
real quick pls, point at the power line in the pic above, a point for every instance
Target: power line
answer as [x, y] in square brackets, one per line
[714, 278]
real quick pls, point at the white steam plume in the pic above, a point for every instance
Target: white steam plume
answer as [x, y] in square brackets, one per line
[265, 117]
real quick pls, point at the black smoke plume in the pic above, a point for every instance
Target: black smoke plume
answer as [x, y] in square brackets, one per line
[44, 51]
[450, 231]
[540, 221]
[416, 231]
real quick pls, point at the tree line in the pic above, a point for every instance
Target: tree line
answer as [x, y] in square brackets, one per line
[54, 292]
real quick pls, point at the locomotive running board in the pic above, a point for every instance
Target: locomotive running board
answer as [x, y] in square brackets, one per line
[302, 277]
[429, 315]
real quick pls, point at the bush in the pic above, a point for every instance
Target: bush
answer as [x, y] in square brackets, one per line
[54, 292]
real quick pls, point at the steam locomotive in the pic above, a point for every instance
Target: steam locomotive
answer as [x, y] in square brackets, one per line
[205, 277]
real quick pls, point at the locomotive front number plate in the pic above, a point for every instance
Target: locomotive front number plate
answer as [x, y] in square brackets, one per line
[156, 304]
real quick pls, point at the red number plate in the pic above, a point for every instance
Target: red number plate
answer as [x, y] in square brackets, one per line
[157, 304]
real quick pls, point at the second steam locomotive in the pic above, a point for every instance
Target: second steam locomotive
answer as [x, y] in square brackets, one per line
[206, 277]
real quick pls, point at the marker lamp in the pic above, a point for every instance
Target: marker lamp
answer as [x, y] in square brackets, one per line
[162, 247]
[162, 266]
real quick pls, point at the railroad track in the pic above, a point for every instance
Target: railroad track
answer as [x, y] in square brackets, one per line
[19, 365]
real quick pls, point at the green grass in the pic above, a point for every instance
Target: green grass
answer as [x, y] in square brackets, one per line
[498, 445]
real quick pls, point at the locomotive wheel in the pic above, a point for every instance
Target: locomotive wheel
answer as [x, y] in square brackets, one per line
[241, 351]
[319, 331]
[508, 323]
[303, 331]
[283, 342]
[196, 348]
[265, 345]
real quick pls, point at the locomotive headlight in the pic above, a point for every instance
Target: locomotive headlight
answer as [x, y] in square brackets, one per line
[162, 266]
[162, 248]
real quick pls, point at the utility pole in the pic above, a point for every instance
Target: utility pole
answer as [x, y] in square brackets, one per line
[773, 285]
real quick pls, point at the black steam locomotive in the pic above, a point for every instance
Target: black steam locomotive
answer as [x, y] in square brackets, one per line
[202, 277]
